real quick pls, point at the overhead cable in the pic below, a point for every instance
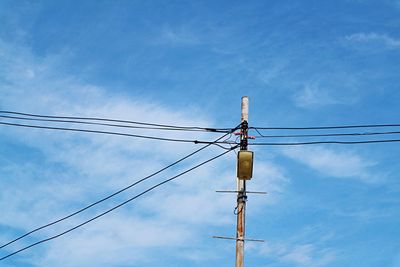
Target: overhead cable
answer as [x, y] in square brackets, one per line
[112, 120]
[214, 130]
[323, 135]
[326, 142]
[111, 195]
[113, 133]
[327, 127]
[117, 206]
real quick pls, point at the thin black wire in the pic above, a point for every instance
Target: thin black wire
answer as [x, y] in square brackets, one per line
[110, 133]
[226, 141]
[117, 125]
[327, 127]
[235, 212]
[111, 195]
[221, 146]
[324, 135]
[111, 120]
[325, 142]
[115, 207]
[236, 142]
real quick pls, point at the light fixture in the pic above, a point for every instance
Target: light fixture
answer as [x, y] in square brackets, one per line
[245, 165]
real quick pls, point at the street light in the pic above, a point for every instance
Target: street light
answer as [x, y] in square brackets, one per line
[245, 165]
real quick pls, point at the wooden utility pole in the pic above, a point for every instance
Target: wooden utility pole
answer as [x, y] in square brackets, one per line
[241, 188]
[245, 160]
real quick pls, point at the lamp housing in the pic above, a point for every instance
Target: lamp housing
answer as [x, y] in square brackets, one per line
[245, 165]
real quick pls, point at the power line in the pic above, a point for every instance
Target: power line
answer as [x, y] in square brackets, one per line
[326, 142]
[111, 195]
[214, 130]
[327, 127]
[222, 142]
[113, 133]
[113, 120]
[324, 135]
[117, 206]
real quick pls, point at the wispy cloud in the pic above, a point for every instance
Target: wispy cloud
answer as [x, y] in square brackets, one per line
[115, 238]
[313, 96]
[309, 247]
[382, 41]
[301, 255]
[181, 35]
[269, 74]
[304, 255]
[332, 163]
[83, 167]
[77, 169]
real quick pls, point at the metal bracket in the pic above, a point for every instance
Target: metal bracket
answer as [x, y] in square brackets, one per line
[247, 192]
[239, 239]
[241, 198]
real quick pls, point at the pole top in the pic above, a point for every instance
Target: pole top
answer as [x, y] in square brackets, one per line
[245, 108]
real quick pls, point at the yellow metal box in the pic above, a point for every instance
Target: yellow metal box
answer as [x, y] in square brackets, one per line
[245, 165]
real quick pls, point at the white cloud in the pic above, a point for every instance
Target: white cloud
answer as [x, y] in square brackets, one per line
[300, 255]
[69, 170]
[177, 36]
[309, 247]
[331, 163]
[382, 41]
[268, 177]
[268, 75]
[119, 239]
[312, 96]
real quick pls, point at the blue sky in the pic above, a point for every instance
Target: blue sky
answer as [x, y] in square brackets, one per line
[302, 63]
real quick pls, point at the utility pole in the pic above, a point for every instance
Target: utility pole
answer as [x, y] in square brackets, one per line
[241, 188]
[244, 172]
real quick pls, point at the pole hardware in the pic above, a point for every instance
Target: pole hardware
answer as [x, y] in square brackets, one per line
[245, 164]
[243, 137]
[237, 239]
[244, 173]
[247, 192]
[241, 197]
